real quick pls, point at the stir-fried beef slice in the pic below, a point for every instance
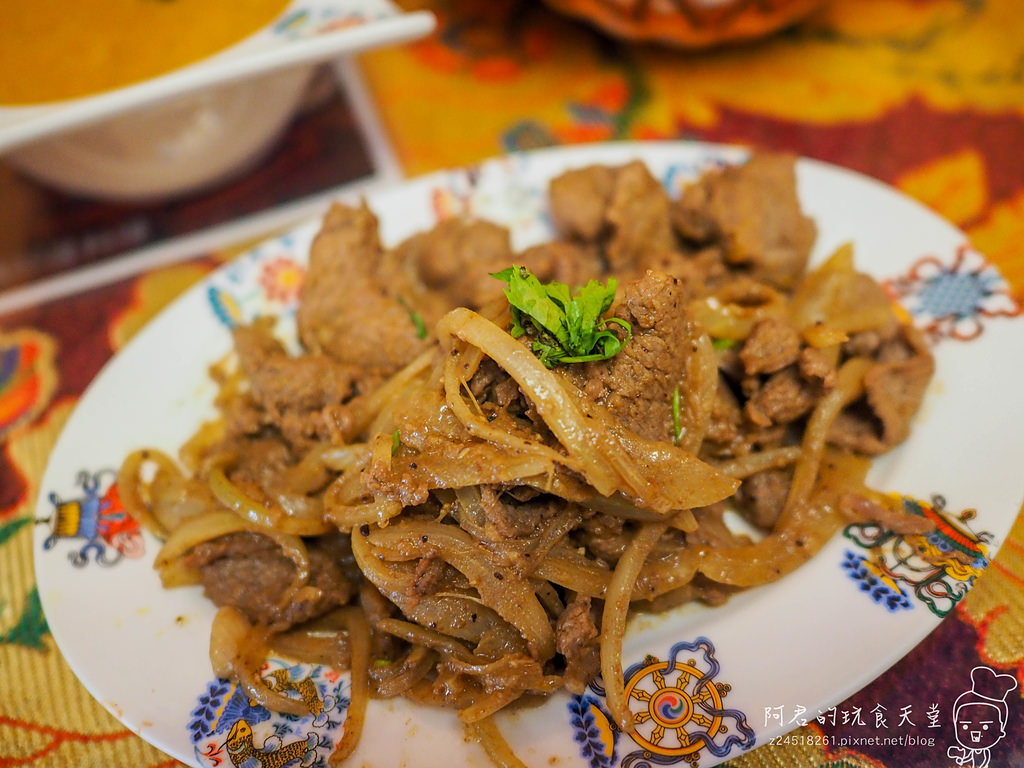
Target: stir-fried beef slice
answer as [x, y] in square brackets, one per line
[428, 577]
[248, 571]
[691, 216]
[637, 384]
[348, 310]
[639, 215]
[625, 208]
[571, 263]
[893, 391]
[906, 343]
[453, 261]
[726, 416]
[579, 199]
[263, 471]
[815, 366]
[231, 546]
[732, 433]
[764, 495]
[260, 464]
[859, 509]
[702, 271]
[491, 384]
[576, 637]
[291, 391]
[603, 535]
[510, 521]
[752, 210]
[763, 438]
[771, 346]
[785, 379]
[376, 607]
[783, 397]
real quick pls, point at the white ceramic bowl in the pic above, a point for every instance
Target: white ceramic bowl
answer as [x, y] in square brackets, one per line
[200, 124]
[172, 148]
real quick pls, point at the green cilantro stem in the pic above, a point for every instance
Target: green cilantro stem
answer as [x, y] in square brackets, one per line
[416, 317]
[677, 418]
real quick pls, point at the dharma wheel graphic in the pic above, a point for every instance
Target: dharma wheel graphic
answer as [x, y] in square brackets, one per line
[677, 712]
[680, 708]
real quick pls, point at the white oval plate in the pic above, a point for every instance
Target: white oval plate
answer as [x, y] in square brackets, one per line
[307, 31]
[718, 680]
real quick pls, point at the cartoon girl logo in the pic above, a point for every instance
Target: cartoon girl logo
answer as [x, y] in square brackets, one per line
[979, 716]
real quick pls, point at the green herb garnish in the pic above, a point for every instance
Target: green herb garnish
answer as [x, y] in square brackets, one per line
[677, 418]
[723, 344]
[396, 442]
[564, 328]
[416, 317]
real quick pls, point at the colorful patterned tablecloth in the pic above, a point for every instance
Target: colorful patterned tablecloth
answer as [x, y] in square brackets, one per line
[926, 95]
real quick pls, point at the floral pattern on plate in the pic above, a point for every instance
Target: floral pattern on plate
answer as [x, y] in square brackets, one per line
[265, 281]
[952, 299]
[309, 19]
[226, 727]
[937, 567]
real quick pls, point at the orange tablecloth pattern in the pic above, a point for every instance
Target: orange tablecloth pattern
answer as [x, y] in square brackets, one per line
[926, 95]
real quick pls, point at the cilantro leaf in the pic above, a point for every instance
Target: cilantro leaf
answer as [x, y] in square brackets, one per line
[564, 328]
